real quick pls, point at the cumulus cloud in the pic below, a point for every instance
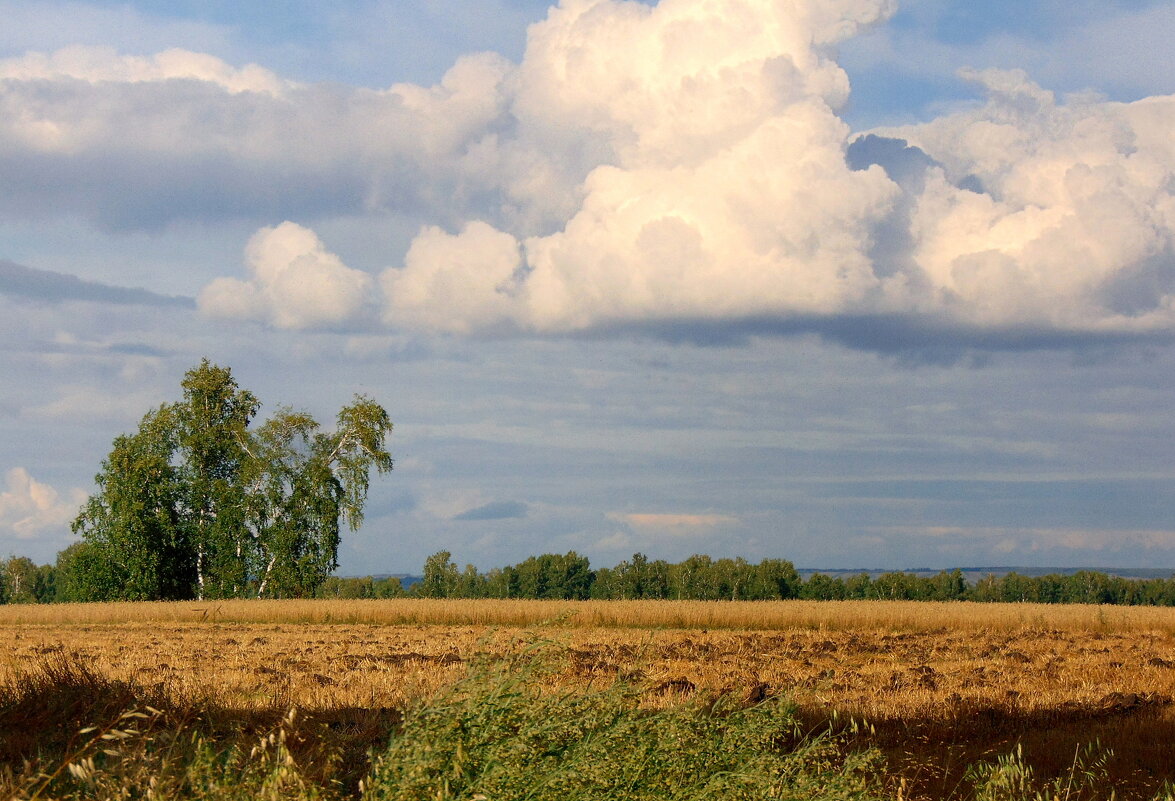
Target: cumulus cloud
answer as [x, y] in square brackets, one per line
[681, 164]
[729, 190]
[723, 189]
[29, 507]
[455, 283]
[294, 282]
[1048, 214]
[136, 142]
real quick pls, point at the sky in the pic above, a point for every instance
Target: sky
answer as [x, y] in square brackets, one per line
[854, 283]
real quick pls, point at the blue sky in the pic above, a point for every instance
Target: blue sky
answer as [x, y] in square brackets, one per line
[852, 284]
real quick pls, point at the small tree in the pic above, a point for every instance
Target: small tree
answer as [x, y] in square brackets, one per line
[820, 587]
[440, 577]
[21, 580]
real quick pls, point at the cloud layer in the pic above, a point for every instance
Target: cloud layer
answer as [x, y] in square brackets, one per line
[677, 164]
[54, 287]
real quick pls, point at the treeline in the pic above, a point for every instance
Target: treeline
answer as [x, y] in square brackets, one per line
[22, 581]
[570, 577]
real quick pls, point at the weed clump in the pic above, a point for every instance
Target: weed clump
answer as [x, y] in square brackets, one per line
[505, 732]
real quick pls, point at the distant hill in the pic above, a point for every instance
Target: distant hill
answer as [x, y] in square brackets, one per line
[973, 574]
[406, 580]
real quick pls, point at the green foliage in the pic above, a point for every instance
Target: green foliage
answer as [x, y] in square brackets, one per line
[440, 577]
[701, 578]
[1010, 778]
[368, 587]
[134, 522]
[22, 582]
[948, 586]
[195, 504]
[698, 578]
[293, 536]
[820, 587]
[79, 570]
[498, 734]
[549, 576]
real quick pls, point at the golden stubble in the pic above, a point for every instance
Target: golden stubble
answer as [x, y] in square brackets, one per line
[867, 659]
[934, 686]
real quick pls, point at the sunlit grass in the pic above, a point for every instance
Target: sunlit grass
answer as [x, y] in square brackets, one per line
[735, 615]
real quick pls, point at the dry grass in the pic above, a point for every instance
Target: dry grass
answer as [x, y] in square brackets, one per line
[941, 685]
[745, 615]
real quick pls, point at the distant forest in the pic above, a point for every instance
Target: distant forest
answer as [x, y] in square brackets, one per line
[571, 577]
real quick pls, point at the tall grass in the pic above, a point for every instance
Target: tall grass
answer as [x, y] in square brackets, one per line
[743, 615]
[69, 732]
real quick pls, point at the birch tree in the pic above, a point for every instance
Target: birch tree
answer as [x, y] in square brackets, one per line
[305, 483]
[213, 448]
[198, 504]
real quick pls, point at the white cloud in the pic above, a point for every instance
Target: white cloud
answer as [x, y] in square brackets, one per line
[28, 507]
[103, 64]
[294, 283]
[720, 189]
[677, 524]
[118, 139]
[454, 283]
[680, 162]
[723, 191]
[1075, 223]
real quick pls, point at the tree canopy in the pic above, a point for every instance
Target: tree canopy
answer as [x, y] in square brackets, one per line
[197, 504]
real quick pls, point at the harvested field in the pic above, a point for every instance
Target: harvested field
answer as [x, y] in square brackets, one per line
[934, 686]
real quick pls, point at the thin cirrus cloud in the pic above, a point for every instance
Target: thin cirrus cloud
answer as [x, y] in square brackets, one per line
[679, 523]
[679, 166]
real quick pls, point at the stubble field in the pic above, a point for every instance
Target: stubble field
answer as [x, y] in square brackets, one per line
[932, 687]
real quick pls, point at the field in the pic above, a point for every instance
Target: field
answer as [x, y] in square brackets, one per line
[1084, 693]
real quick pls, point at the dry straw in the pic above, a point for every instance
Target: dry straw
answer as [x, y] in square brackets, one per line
[747, 615]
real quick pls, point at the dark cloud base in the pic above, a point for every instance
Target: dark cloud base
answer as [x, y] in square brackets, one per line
[919, 339]
[54, 287]
[498, 510]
